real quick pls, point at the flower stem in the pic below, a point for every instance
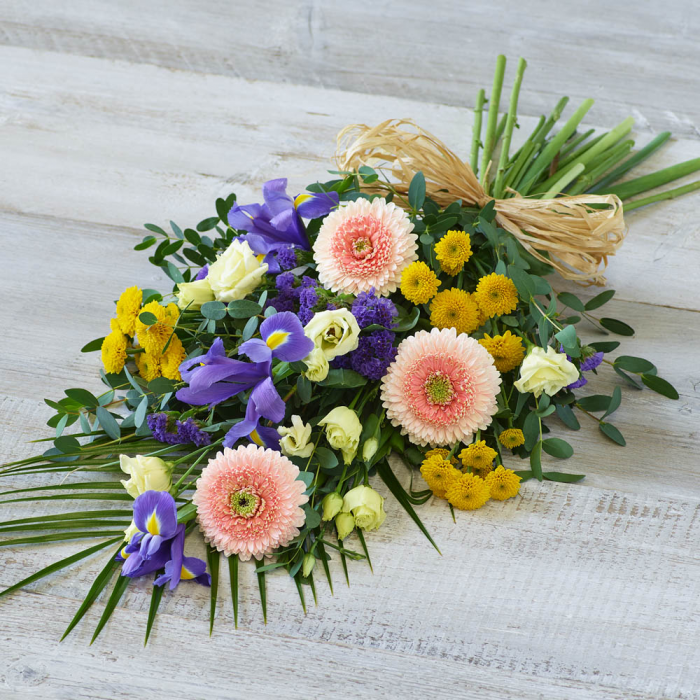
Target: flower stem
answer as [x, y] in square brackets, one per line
[669, 194]
[660, 177]
[494, 102]
[510, 125]
[476, 131]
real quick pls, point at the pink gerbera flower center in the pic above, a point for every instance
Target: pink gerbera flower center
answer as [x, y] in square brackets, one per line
[361, 245]
[438, 389]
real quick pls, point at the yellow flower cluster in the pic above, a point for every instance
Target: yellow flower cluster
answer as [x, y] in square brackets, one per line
[468, 490]
[162, 351]
[419, 283]
[452, 251]
[496, 295]
[511, 438]
[507, 350]
[454, 308]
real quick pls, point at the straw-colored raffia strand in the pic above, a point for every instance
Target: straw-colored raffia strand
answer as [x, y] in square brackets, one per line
[577, 234]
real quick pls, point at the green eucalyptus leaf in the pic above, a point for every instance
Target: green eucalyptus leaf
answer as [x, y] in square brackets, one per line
[557, 448]
[416, 191]
[536, 461]
[214, 310]
[597, 402]
[615, 326]
[147, 318]
[93, 345]
[563, 478]
[637, 365]
[567, 417]
[599, 300]
[612, 432]
[660, 386]
[243, 308]
[571, 300]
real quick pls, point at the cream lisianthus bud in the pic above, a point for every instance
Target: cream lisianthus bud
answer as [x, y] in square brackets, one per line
[334, 332]
[317, 365]
[308, 566]
[147, 474]
[366, 506]
[332, 504]
[295, 440]
[343, 430]
[369, 449]
[191, 295]
[547, 371]
[236, 272]
[345, 524]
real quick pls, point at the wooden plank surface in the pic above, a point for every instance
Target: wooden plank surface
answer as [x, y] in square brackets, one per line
[585, 591]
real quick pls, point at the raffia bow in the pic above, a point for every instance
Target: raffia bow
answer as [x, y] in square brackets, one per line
[575, 235]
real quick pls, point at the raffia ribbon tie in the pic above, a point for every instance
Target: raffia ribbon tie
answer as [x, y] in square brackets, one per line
[577, 234]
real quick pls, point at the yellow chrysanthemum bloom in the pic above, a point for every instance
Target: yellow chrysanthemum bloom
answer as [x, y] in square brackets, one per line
[507, 350]
[454, 308]
[469, 492]
[441, 452]
[419, 283]
[513, 437]
[452, 251]
[478, 455]
[438, 474]
[496, 295]
[484, 472]
[503, 483]
[114, 349]
[148, 365]
[128, 308]
[153, 338]
[482, 316]
[172, 358]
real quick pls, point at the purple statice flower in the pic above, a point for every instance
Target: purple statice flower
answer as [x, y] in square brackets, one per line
[308, 298]
[288, 296]
[374, 354]
[286, 258]
[158, 423]
[189, 431]
[369, 309]
[278, 222]
[592, 362]
[581, 381]
[202, 273]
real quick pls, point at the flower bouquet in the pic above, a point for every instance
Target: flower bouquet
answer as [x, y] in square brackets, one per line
[403, 306]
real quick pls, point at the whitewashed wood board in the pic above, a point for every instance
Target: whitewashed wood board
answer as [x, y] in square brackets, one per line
[568, 591]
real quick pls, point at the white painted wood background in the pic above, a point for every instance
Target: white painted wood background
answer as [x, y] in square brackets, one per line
[113, 114]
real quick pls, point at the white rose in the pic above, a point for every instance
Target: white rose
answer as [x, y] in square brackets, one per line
[147, 474]
[335, 332]
[295, 440]
[193, 294]
[547, 371]
[343, 430]
[236, 272]
[317, 365]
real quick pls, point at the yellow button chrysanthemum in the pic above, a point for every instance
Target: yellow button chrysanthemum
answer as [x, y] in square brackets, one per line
[419, 283]
[441, 452]
[454, 308]
[478, 455]
[452, 251]
[172, 358]
[148, 365]
[513, 437]
[469, 492]
[114, 349]
[503, 483]
[438, 474]
[154, 337]
[128, 308]
[496, 295]
[507, 350]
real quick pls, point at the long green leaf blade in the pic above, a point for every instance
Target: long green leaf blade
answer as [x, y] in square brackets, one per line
[324, 563]
[213, 558]
[233, 575]
[300, 591]
[99, 584]
[117, 592]
[388, 477]
[156, 596]
[361, 537]
[60, 537]
[263, 594]
[57, 566]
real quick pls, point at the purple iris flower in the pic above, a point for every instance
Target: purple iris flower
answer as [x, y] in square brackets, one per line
[159, 543]
[278, 222]
[213, 377]
[282, 337]
[181, 567]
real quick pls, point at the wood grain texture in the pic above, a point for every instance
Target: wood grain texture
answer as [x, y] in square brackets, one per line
[582, 591]
[637, 59]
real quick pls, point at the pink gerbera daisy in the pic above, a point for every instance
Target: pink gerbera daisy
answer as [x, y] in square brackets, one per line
[441, 387]
[363, 245]
[248, 501]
